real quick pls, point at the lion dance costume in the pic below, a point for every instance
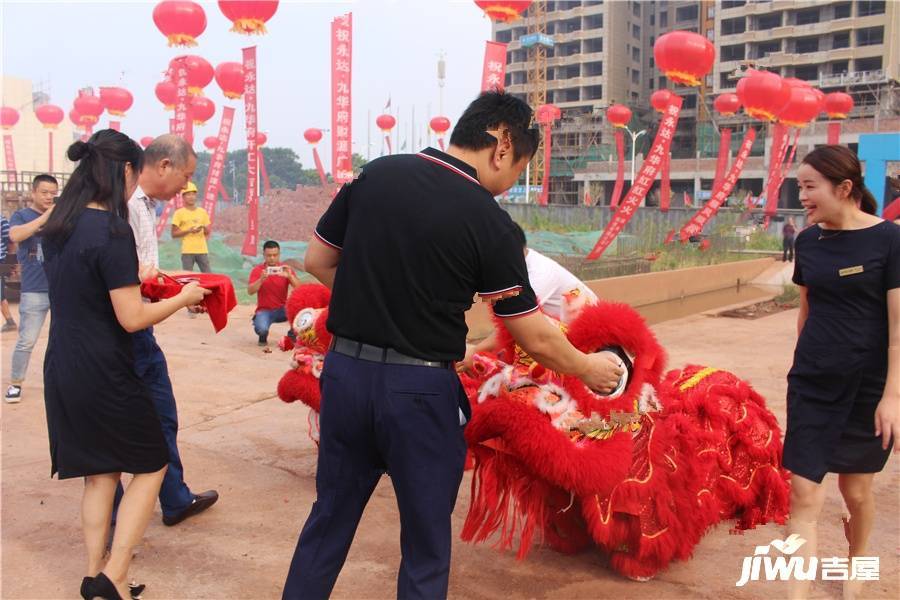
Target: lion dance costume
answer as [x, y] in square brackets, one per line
[642, 474]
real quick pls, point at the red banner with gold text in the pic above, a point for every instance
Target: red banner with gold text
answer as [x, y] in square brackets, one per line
[493, 74]
[183, 122]
[251, 238]
[217, 164]
[341, 98]
[10, 155]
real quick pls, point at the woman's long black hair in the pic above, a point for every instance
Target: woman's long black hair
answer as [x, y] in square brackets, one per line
[99, 177]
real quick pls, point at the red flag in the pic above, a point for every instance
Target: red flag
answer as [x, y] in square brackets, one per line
[687, 200]
[10, 155]
[217, 164]
[620, 168]
[341, 98]
[251, 239]
[670, 237]
[665, 186]
[493, 74]
[644, 179]
[587, 196]
[704, 245]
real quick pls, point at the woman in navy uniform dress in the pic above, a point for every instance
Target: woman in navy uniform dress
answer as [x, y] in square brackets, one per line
[843, 401]
[100, 418]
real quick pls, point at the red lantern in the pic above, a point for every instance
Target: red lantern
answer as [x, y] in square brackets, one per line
[230, 77]
[167, 93]
[49, 115]
[503, 11]
[75, 118]
[440, 125]
[659, 100]
[116, 100]
[89, 107]
[313, 135]
[211, 142]
[547, 113]
[618, 115]
[248, 16]
[802, 107]
[201, 109]
[146, 140]
[385, 123]
[8, 117]
[763, 94]
[181, 21]
[261, 138]
[727, 104]
[685, 57]
[199, 73]
[838, 105]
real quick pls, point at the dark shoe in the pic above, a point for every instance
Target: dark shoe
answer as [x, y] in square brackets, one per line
[86, 587]
[134, 589]
[100, 587]
[201, 502]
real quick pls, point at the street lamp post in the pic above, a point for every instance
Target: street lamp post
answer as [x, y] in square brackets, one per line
[634, 138]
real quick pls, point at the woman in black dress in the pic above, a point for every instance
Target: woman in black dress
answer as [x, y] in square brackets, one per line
[843, 404]
[100, 418]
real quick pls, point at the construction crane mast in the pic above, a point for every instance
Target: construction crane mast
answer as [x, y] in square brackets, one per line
[537, 41]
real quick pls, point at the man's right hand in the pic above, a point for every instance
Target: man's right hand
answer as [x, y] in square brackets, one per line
[146, 272]
[601, 372]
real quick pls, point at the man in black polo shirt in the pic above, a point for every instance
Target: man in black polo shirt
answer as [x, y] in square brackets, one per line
[405, 248]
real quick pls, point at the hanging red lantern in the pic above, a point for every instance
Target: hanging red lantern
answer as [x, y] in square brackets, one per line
[49, 115]
[313, 135]
[619, 115]
[440, 125]
[248, 16]
[8, 117]
[802, 107]
[147, 140]
[261, 138]
[199, 73]
[116, 100]
[838, 105]
[762, 94]
[89, 107]
[167, 93]
[75, 118]
[546, 114]
[385, 123]
[211, 142]
[503, 11]
[230, 77]
[659, 100]
[181, 21]
[684, 56]
[201, 109]
[727, 104]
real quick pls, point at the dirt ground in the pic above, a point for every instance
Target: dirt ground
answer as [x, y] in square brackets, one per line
[237, 437]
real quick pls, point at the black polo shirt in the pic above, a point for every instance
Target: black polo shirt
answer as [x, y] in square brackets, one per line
[419, 237]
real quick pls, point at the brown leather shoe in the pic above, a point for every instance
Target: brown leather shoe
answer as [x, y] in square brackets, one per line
[201, 502]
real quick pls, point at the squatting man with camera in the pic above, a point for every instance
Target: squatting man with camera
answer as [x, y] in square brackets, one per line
[270, 281]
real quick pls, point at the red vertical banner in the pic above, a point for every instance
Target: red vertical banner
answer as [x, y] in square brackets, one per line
[720, 194]
[168, 208]
[267, 187]
[319, 168]
[182, 100]
[341, 98]
[776, 157]
[10, 156]
[172, 125]
[117, 125]
[251, 239]
[620, 168]
[834, 133]
[722, 162]
[665, 185]
[543, 199]
[50, 151]
[217, 164]
[644, 179]
[493, 74]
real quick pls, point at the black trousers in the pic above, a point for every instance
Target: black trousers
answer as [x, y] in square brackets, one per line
[377, 418]
[787, 249]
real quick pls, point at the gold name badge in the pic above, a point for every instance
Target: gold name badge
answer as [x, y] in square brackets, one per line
[850, 271]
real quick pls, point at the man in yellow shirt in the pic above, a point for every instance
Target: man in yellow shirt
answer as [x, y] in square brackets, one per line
[191, 224]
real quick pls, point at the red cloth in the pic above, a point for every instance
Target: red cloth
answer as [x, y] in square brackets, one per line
[217, 304]
[273, 292]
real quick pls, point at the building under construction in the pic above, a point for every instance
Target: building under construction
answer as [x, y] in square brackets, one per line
[584, 56]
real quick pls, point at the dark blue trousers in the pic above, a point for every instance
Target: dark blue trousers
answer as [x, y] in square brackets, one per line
[380, 417]
[151, 367]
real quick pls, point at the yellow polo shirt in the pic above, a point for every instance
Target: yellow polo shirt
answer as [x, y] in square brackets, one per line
[192, 243]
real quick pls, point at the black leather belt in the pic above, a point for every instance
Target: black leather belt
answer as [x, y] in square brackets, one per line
[383, 355]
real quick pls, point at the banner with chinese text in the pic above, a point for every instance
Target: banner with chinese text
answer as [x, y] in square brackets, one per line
[341, 98]
[10, 155]
[183, 123]
[217, 164]
[493, 75]
[251, 239]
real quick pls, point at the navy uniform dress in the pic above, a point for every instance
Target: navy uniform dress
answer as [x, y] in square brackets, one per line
[841, 360]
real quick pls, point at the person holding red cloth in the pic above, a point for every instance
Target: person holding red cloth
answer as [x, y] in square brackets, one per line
[271, 281]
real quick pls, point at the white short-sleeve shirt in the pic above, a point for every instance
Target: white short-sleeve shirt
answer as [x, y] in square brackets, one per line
[550, 281]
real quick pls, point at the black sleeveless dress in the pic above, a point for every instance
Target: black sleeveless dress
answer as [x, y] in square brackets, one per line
[841, 359]
[100, 417]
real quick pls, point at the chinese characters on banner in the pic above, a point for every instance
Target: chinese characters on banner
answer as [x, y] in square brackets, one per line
[494, 72]
[217, 163]
[644, 178]
[720, 194]
[183, 122]
[251, 239]
[665, 185]
[10, 156]
[341, 100]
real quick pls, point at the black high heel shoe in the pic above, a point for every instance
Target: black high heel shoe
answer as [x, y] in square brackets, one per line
[100, 587]
[134, 589]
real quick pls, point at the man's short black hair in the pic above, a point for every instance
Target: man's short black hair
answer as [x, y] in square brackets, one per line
[519, 234]
[43, 178]
[271, 244]
[489, 111]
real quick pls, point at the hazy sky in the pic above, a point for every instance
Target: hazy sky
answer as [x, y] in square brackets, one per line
[396, 43]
